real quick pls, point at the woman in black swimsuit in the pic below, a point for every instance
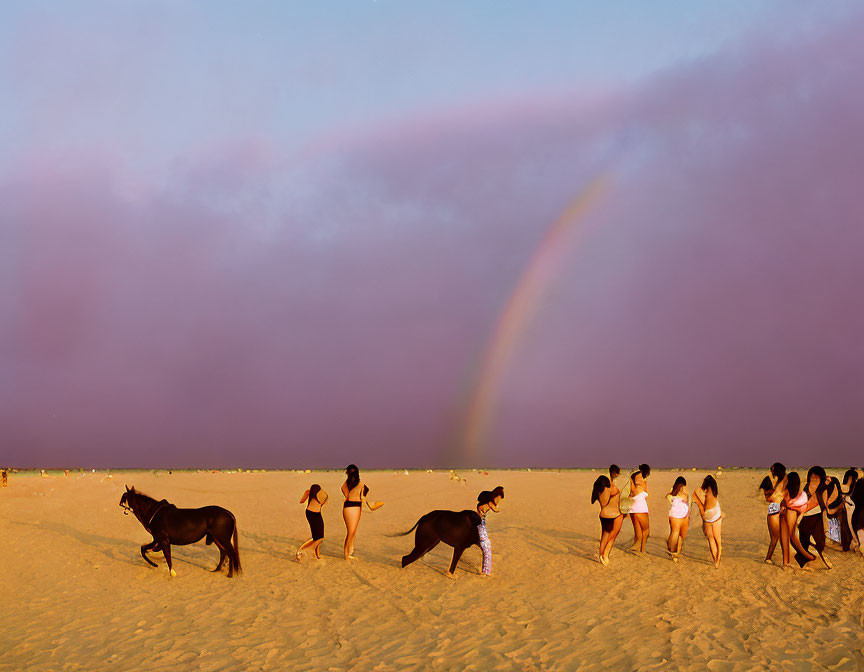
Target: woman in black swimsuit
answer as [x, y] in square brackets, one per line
[316, 498]
[354, 491]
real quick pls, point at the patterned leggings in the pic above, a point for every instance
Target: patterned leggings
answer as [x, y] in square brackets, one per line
[486, 546]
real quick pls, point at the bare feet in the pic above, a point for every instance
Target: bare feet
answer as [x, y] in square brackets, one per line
[449, 575]
[603, 560]
[298, 555]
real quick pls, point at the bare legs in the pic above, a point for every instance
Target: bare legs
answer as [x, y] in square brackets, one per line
[640, 531]
[789, 533]
[607, 539]
[774, 531]
[351, 514]
[712, 534]
[314, 544]
[677, 533]
[850, 509]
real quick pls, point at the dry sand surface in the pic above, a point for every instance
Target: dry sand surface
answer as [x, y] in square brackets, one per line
[76, 594]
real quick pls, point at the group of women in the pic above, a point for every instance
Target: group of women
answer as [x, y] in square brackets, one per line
[820, 513]
[615, 506]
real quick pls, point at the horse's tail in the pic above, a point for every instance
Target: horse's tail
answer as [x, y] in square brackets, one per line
[402, 534]
[235, 552]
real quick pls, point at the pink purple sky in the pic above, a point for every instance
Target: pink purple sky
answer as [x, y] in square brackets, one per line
[282, 236]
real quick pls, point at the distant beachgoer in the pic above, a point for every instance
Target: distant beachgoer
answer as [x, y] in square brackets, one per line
[316, 499]
[712, 516]
[850, 478]
[774, 490]
[679, 517]
[5, 477]
[354, 491]
[608, 495]
[639, 507]
[811, 527]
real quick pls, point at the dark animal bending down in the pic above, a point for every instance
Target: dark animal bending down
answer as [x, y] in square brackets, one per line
[456, 528]
[170, 525]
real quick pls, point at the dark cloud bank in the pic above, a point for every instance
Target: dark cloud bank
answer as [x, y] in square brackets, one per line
[263, 311]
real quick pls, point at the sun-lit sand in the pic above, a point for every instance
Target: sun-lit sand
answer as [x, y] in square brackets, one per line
[76, 594]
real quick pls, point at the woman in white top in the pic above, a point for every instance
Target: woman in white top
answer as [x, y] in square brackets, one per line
[712, 516]
[639, 507]
[679, 517]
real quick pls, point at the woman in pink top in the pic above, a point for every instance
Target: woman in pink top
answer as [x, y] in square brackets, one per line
[795, 501]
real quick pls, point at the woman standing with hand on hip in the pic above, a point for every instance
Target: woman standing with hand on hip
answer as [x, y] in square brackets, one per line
[354, 491]
[712, 516]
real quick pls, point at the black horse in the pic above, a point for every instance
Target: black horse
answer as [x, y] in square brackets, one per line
[456, 528]
[170, 525]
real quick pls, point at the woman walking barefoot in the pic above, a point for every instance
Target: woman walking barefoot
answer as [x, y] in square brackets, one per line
[774, 490]
[712, 516]
[608, 495]
[316, 498]
[838, 535]
[639, 508]
[793, 505]
[850, 478]
[679, 517]
[485, 501]
[857, 499]
[811, 525]
[354, 491]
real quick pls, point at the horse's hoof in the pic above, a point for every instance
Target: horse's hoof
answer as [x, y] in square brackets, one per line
[173, 573]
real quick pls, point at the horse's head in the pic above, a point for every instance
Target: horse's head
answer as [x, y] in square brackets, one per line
[126, 500]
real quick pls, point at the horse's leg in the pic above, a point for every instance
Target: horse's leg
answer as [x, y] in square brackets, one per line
[222, 556]
[148, 547]
[166, 551]
[457, 553]
[425, 539]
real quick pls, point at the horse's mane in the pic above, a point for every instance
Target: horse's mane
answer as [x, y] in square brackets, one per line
[133, 491]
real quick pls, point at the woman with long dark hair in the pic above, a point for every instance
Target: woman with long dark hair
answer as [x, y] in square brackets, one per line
[679, 517]
[712, 516]
[850, 478]
[639, 507]
[608, 495]
[857, 523]
[316, 499]
[774, 490]
[811, 528]
[794, 503]
[354, 491]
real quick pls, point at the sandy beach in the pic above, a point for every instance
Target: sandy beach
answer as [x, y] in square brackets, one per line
[77, 595]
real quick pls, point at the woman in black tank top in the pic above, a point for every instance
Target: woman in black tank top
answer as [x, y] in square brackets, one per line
[316, 499]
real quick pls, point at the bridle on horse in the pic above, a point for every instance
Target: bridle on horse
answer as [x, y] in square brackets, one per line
[127, 507]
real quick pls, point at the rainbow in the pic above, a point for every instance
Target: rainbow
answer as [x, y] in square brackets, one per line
[511, 323]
